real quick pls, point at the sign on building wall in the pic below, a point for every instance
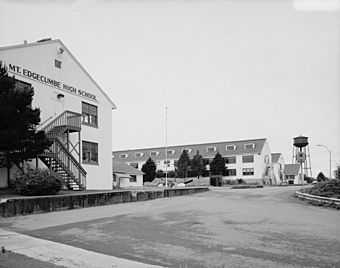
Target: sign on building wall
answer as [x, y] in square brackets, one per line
[43, 79]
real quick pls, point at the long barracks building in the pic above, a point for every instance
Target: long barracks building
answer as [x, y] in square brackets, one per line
[75, 112]
[250, 160]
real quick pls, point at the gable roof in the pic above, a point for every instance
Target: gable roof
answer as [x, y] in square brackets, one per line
[275, 157]
[120, 167]
[43, 42]
[292, 169]
[202, 148]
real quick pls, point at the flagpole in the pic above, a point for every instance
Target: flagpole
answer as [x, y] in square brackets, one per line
[166, 146]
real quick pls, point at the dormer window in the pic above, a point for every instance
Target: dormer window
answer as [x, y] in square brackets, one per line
[170, 152]
[249, 146]
[154, 153]
[139, 155]
[230, 147]
[123, 156]
[211, 149]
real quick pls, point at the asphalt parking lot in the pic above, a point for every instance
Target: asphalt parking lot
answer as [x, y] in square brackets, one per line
[264, 227]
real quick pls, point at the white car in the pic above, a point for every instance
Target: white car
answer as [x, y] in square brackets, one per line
[180, 184]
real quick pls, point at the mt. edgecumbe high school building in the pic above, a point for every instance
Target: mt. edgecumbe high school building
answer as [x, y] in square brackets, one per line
[75, 112]
[250, 160]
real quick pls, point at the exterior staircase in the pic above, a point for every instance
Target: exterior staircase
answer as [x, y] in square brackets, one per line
[59, 157]
[268, 175]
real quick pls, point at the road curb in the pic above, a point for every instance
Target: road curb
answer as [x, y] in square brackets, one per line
[61, 254]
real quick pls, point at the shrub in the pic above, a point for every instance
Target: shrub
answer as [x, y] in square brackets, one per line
[171, 174]
[326, 189]
[240, 181]
[37, 182]
[160, 174]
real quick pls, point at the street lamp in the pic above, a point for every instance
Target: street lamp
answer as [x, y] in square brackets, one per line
[330, 159]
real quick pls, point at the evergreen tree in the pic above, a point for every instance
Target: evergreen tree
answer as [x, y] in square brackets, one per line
[149, 168]
[217, 165]
[19, 140]
[197, 165]
[183, 165]
[321, 177]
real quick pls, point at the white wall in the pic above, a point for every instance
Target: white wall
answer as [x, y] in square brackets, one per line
[40, 59]
[277, 170]
[138, 183]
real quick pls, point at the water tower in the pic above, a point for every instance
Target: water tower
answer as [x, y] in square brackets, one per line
[301, 156]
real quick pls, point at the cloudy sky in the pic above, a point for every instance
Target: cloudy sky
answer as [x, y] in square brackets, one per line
[226, 70]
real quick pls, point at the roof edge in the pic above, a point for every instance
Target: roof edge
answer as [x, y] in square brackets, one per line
[113, 106]
[193, 144]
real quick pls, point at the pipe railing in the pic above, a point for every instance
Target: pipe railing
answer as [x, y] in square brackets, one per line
[66, 119]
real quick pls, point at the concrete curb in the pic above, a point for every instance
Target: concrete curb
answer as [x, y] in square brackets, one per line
[316, 198]
[61, 254]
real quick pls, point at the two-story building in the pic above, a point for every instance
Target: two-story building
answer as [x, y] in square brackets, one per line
[250, 160]
[75, 112]
[278, 167]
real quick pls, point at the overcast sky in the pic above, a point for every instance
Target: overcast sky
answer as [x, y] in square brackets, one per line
[226, 70]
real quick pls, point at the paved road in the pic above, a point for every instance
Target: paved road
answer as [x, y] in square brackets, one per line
[222, 228]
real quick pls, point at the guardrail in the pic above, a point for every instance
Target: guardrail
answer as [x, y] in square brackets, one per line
[318, 199]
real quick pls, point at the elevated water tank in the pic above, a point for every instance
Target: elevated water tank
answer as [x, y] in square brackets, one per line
[300, 141]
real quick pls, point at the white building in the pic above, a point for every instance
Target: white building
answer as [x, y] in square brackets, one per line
[75, 112]
[250, 160]
[292, 173]
[278, 167]
[126, 176]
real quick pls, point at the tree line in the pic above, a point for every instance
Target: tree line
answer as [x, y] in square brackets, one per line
[186, 167]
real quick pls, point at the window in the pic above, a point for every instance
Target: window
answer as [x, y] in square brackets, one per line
[230, 147]
[249, 146]
[89, 114]
[266, 159]
[133, 178]
[170, 152]
[230, 160]
[123, 156]
[290, 177]
[134, 165]
[210, 149]
[20, 85]
[231, 172]
[154, 153]
[139, 155]
[90, 152]
[247, 171]
[167, 162]
[57, 63]
[247, 159]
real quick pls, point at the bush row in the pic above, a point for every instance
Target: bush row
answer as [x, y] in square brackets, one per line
[330, 189]
[37, 182]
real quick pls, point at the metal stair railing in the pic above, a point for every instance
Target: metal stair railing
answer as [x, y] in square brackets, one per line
[67, 161]
[67, 119]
